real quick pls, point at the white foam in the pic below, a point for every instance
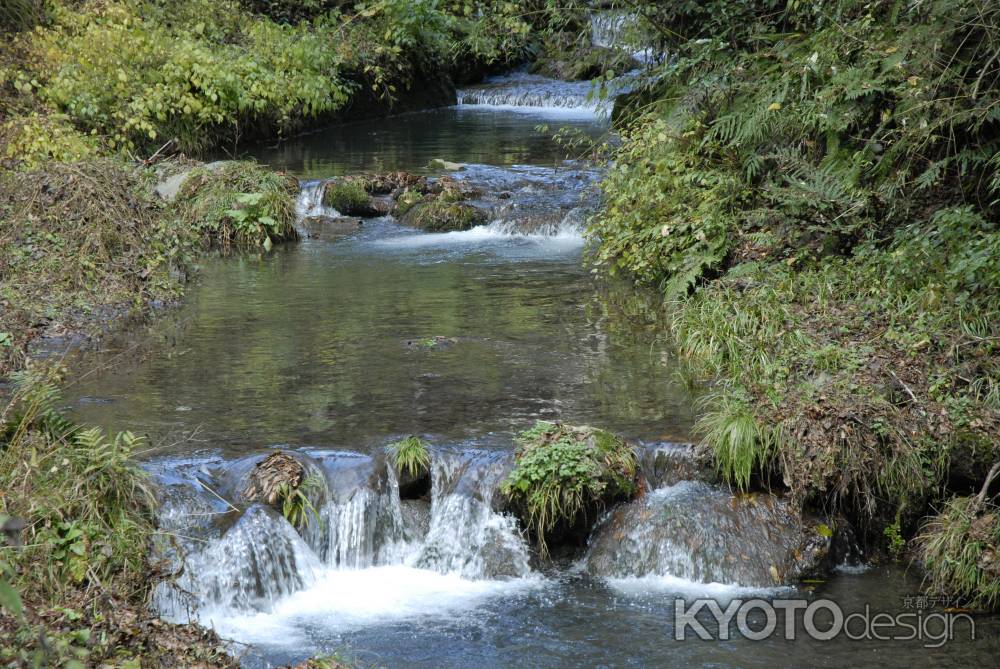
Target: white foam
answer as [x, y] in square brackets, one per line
[645, 585]
[342, 600]
[557, 237]
[582, 111]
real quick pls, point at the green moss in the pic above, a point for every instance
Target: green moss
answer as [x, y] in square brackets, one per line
[239, 203]
[406, 201]
[348, 197]
[441, 215]
[563, 473]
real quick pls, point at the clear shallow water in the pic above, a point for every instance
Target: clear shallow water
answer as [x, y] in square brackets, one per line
[329, 344]
[409, 142]
[332, 343]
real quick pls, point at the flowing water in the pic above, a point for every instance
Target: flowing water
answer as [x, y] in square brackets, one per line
[333, 347]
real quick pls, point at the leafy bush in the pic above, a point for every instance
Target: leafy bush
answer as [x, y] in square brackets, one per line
[151, 75]
[563, 473]
[31, 140]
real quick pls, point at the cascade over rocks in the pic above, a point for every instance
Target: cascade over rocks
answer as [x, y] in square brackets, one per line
[703, 533]
[434, 205]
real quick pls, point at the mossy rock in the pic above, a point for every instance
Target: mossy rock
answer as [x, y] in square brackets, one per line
[406, 201]
[350, 198]
[440, 215]
[564, 477]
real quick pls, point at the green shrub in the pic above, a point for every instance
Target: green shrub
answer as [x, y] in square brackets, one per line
[194, 71]
[563, 473]
[33, 139]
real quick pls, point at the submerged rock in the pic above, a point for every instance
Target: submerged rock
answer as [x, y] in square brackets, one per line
[703, 533]
[416, 518]
[667, 463]
[439, 164]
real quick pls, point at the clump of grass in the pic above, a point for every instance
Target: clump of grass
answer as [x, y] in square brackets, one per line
[240, 203]
[296, 506]
[406, 201]
[740, 444]
[348, 197]
[411, 456]
[959, 547]
[441, 215]
[563, 474]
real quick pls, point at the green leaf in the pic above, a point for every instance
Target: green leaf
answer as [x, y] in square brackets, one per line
[10, 600]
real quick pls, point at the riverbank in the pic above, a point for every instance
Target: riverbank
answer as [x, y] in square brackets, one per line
[814, 192]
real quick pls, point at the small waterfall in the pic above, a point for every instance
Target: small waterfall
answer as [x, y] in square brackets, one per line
[365, 530]
[702, 533]
[606, 28]
[310, 201]
[533, 93]
[256, 562]
[466, 535]
[360, 524]
[666, 463]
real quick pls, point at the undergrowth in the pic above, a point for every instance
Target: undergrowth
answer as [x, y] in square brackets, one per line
[77, 557]
[239, 204]
[813, 189]
[76, 239]
[958, 550]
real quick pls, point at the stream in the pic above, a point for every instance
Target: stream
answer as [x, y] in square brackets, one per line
[335, 346]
